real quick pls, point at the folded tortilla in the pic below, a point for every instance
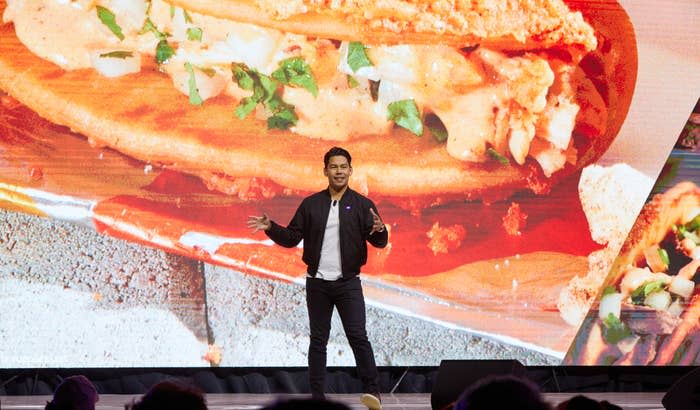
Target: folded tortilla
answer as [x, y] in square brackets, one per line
[144, 116]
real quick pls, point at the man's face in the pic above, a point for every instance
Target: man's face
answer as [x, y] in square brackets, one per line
[338, 172]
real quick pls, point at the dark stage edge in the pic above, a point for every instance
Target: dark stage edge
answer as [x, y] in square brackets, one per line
[340, 380]
[637, 401]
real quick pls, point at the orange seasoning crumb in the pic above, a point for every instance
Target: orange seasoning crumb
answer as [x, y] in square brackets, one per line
[36, 173]
[213, 355]
[444, 239]
[514, 220]
[246, 189]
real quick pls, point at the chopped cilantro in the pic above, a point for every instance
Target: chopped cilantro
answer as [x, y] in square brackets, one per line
[614, 330]
[241, 73]
[149, 26]
[108, 19]
[694, 224]
[357, 56]
[283, 119]
[188, 19]
[436, 127]
[295, 71]
[172, 11]
[405, 114]
[117, 54]
[639, 295]
[194, 34]
[264, 92]
[502, 159]
[684, 233]
[195, 98]
[352, 82]
[164, 51]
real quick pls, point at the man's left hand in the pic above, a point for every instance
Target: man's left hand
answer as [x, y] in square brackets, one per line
[377, 224]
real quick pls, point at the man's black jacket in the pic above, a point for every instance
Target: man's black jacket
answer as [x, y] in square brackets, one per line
[309, 224]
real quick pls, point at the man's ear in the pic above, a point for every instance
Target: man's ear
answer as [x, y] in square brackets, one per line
[325, 171]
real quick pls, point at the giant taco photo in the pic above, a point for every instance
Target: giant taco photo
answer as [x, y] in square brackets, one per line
[456, 101]
[168, 123]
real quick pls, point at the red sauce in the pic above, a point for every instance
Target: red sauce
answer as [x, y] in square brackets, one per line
[555, 223]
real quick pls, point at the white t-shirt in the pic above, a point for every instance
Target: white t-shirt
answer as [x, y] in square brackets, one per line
[329, 266]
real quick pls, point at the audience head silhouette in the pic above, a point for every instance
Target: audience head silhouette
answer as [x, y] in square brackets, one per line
[502, 392]
[74, 393]
[581, 402]
[306, 404]
[170, 395]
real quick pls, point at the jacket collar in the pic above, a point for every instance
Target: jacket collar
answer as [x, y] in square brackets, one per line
[348, 191]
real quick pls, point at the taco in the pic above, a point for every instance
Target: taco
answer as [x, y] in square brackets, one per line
[649, 310]
[435, 100]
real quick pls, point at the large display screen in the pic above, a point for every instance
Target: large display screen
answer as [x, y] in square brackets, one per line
[508, 151]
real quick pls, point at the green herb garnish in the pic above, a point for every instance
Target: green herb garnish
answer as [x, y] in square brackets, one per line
[117, 54]
[295, 71]
[195, 98]
[194, 34]
[283, 119]
[188, 19]
[264, 92]
[614, 330]
[639, 295]
[108, 19]
[164, 51]
[405, 114]
[149, 26]
[357, 56]
[503, 160]
[684, 233]
[694, 224]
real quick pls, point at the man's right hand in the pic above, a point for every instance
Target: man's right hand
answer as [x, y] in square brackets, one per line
[259, 223]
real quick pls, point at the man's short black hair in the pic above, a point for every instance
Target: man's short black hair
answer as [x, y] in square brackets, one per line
[335, 151]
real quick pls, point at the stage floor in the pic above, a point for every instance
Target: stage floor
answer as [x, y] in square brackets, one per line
[636, 401]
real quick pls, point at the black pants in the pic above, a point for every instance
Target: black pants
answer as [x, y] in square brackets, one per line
[346, 296]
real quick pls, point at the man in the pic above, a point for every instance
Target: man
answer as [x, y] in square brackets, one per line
[335, 225]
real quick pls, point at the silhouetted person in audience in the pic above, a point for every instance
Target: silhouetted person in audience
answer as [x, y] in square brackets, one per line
[170, 395]
[74, 393]
[581, 402]
[306, 404]
[502, 392]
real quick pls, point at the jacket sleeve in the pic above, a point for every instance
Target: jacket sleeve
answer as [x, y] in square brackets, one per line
[290, 236]
[377, 239]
